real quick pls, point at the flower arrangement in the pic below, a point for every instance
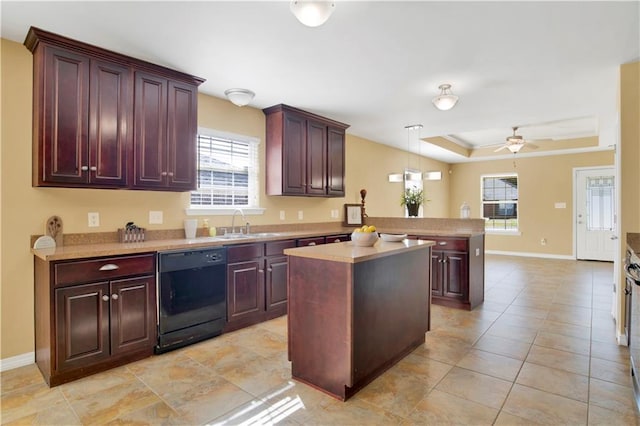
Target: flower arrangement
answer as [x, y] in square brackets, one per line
[413, 199]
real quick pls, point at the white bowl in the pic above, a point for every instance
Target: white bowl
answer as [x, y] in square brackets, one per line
[393, 237]
[364, 239]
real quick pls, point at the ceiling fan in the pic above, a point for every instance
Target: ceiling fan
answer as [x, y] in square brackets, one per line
[515, 142]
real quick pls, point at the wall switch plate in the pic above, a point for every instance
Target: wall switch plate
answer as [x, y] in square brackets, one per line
[334, 213]
[560, 205]
[477, 252]
[155, 217]
[300, 215]
[93, 219]
[282, 216]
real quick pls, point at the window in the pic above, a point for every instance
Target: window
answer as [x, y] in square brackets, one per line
[500, 202]
[600, 203]
[227, 171]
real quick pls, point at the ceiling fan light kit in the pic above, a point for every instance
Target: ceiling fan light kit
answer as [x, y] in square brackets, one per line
[446, 99]
[239, 97]
[312, 13]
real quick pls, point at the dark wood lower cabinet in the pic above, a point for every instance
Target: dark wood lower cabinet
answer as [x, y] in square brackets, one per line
[457, 271]
[93, 314]
[256, 283]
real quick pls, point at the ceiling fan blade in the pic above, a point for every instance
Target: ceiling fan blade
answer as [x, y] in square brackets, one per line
[501, 148]
[532, 145]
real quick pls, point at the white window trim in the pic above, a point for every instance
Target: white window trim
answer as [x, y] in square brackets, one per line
[227, 210]
[508, 232]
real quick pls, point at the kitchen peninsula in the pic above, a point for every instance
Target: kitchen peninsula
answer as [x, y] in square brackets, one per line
[356, 311]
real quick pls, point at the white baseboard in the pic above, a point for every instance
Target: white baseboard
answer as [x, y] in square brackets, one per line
[17, 361]
[526, 254]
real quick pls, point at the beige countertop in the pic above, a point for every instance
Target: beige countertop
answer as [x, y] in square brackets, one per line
[80, 251]
[348, 252]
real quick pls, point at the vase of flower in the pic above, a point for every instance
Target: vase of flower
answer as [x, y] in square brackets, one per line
[412, 198]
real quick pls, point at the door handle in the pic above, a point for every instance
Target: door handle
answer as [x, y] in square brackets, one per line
[613, 237]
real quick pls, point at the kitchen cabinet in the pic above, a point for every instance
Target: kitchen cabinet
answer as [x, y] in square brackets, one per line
[256, 283]
[93, 314]
[105, 120]
[305, 153]
[165, 133]
[457, 271]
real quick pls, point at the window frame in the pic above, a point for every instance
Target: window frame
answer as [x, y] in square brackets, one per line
[209, 210]
[515, 231]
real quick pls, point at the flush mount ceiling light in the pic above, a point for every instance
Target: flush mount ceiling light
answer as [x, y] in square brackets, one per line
[240, 97]
[446, 99]
[312, 13]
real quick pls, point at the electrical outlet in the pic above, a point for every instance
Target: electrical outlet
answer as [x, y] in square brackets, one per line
[543, 242]
[300, 215]
[155, 217]
[282, 216]
[93, 219]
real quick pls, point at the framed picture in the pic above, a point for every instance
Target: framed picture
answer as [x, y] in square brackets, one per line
[353, 214]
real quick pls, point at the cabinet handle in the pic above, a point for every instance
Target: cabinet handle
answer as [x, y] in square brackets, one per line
[114, 296]
[442, 243]
[269, 269]
[93, 168]
[84, 168]
[312, 243]
[109, 267]
[170, 173]
[105, 298]
[163, 173]
[337, 240]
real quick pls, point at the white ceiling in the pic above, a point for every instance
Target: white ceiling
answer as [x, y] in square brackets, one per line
[376, 65]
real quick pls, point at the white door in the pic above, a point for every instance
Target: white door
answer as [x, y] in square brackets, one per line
[595, 214]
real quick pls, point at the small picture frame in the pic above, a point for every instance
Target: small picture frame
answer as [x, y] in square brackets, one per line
[353, 214]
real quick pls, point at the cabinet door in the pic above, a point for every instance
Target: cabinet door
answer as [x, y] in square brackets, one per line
[294, 155]
[150, 134]
[63, 118]
[335, 162]
[245, 290]
[456, 284]
[82, 325]
[436, 273]
[181, 136]
[110, 112]
[316, 158]
[133, 314]
[276, 282]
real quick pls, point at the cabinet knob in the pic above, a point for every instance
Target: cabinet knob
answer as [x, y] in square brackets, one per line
[105, 298]
[93, 168]
[337, 240]
[312, 243]
[269, 269]
[163, 173]
[442, 243]
[84, 168]
[114, 296]
[170, 174]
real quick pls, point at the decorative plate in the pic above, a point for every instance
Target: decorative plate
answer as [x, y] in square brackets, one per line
[393, 237]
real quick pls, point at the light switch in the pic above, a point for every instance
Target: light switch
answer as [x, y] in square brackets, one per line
[300, 215]
[561, 205]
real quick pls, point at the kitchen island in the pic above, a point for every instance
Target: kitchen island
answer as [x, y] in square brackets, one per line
[356, 311]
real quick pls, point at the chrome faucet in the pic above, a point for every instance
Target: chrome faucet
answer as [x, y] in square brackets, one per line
[233, 220]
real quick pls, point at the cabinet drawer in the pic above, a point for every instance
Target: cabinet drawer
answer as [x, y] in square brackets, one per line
[241, 252]
[103, 269]
[447, 243]
[314, 241]
[277, 247]
[338, 238]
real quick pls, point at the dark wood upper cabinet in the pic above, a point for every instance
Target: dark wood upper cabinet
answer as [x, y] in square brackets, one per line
[305, 153]
[105, 120]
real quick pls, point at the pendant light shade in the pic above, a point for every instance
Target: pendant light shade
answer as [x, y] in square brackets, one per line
[446, 99]
[312, 13]
[239, 97]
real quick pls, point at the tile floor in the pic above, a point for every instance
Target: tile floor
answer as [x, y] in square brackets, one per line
[541, 349]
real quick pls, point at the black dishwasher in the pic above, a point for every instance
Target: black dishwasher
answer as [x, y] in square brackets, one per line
[192, 300]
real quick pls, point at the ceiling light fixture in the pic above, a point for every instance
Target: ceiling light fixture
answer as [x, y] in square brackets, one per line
[312, 13]
[408, 174]
[240, 97]
[446, 99]
[515, 147]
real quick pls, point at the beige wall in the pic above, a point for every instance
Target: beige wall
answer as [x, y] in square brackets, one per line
[24, 209]
[542, 181]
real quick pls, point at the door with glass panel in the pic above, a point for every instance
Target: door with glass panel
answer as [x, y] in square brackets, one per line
[595, 214]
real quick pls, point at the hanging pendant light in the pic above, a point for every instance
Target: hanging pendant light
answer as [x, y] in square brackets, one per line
[312, 13]
[408, 174]
[446, 99]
